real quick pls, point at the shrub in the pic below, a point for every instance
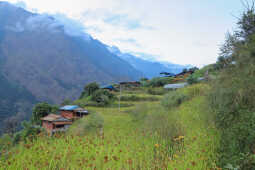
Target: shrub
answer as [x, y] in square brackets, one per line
[5, 142]
[89, 124]
[173, 99]
[41, 110]
[138, 98]
[159, 81]
[165, 128]
[102, 96]
[196, 90]
[157, 122]
[192, 79]
[156, 91]
[89, 89]
[82, 102]
[28, 133]
[139, 113]
[233, 95]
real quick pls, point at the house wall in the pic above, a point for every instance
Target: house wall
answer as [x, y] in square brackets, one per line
[47, 125]
[67, 114]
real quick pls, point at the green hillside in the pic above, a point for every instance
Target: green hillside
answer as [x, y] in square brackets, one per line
[144, 136]
[201, 119]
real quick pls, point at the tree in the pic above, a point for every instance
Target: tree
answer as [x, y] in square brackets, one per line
[41, 110]
[193, 69]
[233, 94]
[185, 70]
[102, 96]
[192, 79]
[89, 89]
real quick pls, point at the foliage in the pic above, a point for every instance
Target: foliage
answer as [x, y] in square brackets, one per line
[173, 99]
[91, 123]
[5, 142]
[185, 70]
[156, 91]
[159, 81]
[102, 96]
[192, 79]
[28, 132]
[89, 89]
[146, 136]
[138, 98]
[200, 89]
[139, 113]
[41, 110]
[233, 94]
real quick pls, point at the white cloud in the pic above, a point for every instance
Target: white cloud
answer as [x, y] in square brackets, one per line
[185, 32]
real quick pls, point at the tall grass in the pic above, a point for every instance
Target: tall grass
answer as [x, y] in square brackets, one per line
[145, 136]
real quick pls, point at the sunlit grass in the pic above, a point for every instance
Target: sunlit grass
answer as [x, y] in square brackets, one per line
[123, 143]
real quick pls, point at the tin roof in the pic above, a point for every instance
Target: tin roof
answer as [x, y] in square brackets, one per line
[55, 118]
[175, 86]
[107, 87]
[69, 107]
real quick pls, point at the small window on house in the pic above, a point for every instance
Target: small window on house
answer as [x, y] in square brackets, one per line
[60, 126]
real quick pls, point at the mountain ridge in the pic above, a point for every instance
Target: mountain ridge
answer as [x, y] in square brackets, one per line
[149, 68]
[43, 59]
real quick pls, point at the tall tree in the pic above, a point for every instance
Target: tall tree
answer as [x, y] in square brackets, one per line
[41, 110]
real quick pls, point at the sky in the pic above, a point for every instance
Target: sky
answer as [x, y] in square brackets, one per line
[177, 31]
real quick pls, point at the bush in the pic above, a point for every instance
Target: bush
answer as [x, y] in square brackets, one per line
[82, 102]
[159, 81]
[89, 89]
[138, 98]
[139, 113]
[156, 91]
[157, 122]
[196, 90]
[102, 96]
[5, 142]
[89, 124]
[192, 79]
[233, 95]
[173, 99]
[41, 110]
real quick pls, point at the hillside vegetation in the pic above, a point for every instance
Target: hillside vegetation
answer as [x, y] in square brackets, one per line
[144, 136]
[209, 124]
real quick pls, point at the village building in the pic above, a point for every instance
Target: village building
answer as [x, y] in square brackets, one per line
[166, 74]
[60, 123]
[108, 87]
[72, 112]
[55, 123]
[175, 86]
[185, 74]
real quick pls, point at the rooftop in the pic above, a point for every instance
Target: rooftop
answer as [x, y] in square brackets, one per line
[175, 86]
[55, 118]
[69, 107]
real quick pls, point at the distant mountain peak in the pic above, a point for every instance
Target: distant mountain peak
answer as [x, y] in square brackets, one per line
[50, 58]
[147, 64]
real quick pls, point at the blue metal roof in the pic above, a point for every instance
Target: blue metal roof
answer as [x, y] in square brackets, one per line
[108, 87]
[69, 107]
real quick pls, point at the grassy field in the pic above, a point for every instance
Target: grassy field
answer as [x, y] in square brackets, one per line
[143, 136]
